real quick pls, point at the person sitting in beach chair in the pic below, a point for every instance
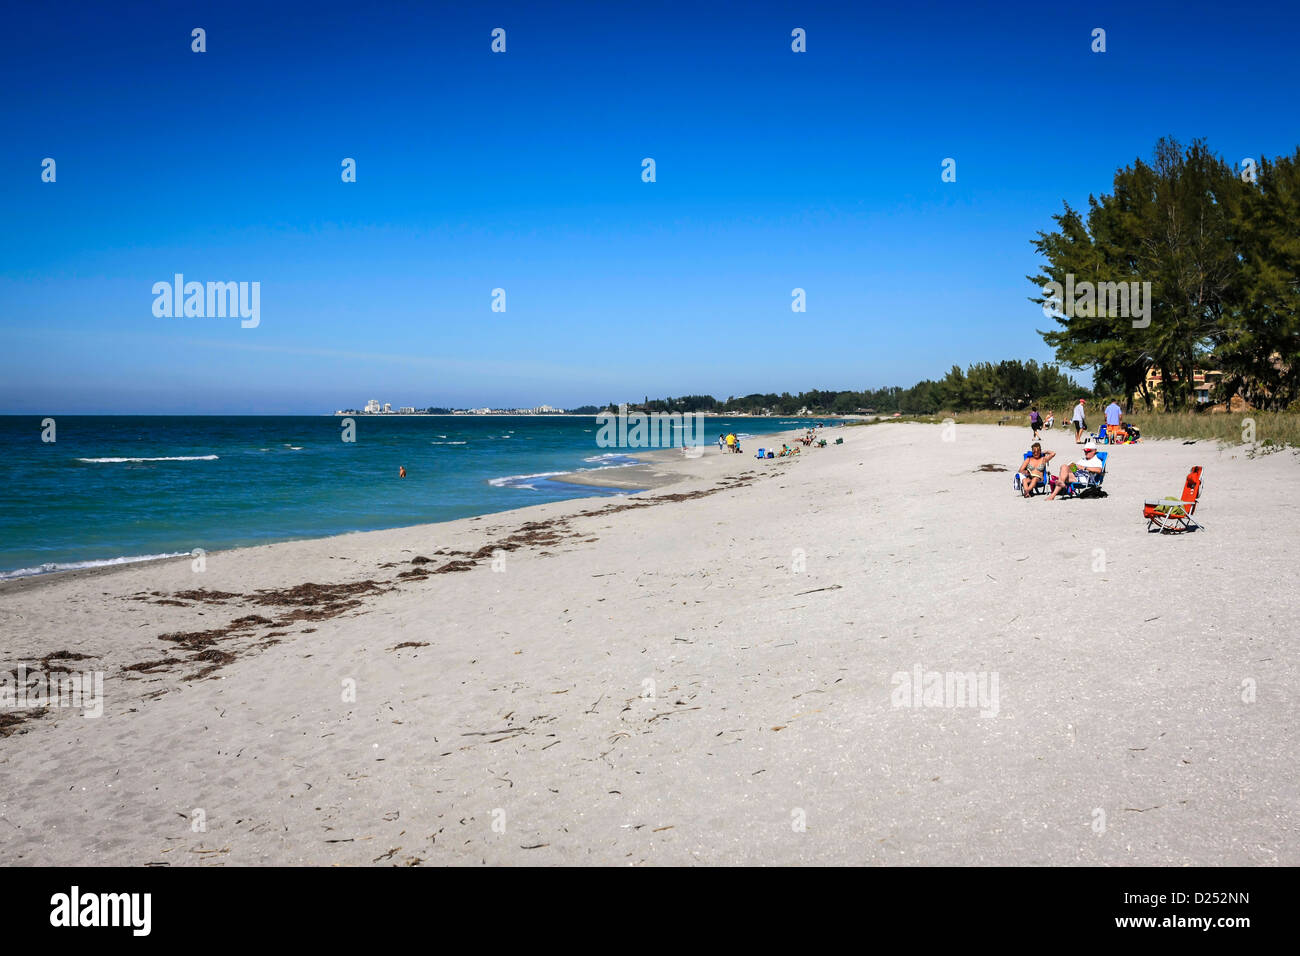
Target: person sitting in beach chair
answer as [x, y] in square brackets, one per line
[1031, 478]
[1173, 515]
[1079, 475]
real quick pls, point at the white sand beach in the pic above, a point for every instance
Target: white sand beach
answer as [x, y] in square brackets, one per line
[702, 673]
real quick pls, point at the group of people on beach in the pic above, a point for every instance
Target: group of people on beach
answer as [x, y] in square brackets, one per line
[729, 442]
[1034, 469]
[1079, 419]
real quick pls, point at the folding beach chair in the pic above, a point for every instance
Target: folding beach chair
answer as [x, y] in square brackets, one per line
[1172, 515]
[1090, 486]
[1018, 484]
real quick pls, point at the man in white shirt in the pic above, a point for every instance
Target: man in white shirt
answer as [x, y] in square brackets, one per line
[1080, 423]
[1079, 472]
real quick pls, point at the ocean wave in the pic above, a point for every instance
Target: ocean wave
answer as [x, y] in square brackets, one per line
[107, 461]
[614, 457]
[447, 443]
[78, 565]
[522, 481]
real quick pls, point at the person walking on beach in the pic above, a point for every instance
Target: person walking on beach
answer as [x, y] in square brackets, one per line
[722, 442]
[1035, 421]
[1080, 422]
[731, 441]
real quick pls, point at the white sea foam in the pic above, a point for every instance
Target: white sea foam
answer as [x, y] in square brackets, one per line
[78, 565]
[612, 456]
[107, 461]
[522, 481]
[446, 443]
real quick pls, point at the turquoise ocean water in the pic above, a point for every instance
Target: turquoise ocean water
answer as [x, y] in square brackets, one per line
[111, 488]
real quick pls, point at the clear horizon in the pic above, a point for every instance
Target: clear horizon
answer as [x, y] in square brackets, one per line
[522, 171]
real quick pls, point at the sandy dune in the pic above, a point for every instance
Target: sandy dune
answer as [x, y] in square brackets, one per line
[703, 673]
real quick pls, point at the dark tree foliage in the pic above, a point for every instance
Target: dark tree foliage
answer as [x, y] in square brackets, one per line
[1006, 385]
[1221, 253]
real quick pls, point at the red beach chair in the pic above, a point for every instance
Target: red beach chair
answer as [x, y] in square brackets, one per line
[1172, 515]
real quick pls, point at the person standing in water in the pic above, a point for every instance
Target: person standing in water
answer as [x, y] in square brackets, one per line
[401, 471]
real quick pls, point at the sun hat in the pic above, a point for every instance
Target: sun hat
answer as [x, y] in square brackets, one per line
[1090, 444]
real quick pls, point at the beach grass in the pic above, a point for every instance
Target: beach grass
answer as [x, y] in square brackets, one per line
[1270, 429]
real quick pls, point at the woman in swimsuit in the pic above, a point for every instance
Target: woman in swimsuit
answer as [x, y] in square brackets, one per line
[1034, 468]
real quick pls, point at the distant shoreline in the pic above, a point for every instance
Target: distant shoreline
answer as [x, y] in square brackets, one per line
[820, 418]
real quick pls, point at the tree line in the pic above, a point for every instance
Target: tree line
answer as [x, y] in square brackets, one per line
[1219, 246]
[1008, 385]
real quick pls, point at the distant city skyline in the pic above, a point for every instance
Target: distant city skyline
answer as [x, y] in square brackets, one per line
[369, 200]
[376, 407]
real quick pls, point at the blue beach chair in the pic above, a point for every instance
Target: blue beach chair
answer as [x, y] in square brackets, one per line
[1090, 487]
[1017, 484]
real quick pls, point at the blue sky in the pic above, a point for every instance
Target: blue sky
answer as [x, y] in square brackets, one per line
[522, 171]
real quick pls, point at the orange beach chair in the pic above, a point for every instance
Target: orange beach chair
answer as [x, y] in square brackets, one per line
[1172, 515]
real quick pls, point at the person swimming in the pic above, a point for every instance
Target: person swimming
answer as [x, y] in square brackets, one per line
[401, 471]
